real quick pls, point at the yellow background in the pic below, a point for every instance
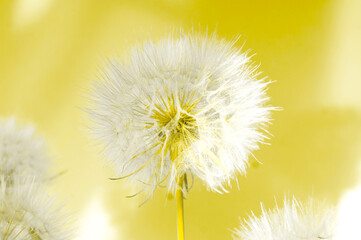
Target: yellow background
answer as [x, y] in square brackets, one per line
[50, 50]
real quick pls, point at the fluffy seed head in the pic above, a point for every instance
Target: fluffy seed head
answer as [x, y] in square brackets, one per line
[20, 151]
[186, 104]
[27, 213]
[294, 221]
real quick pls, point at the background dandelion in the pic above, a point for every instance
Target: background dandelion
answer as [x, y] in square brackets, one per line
[21, 152]
[292, 221]
[28, 213]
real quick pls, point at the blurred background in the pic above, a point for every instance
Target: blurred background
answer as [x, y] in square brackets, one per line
[51, 50]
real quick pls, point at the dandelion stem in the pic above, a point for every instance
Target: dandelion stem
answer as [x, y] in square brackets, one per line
[180, 209]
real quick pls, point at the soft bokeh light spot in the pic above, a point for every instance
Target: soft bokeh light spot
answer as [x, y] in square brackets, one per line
[95, 223]
[28, 11]
[350, 214]
[345, 61]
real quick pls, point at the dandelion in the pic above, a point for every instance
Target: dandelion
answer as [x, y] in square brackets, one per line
[28, 213]
[293, 222]
[21, 152]
[187, 105]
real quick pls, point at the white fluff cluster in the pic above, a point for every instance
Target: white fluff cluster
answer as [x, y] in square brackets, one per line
[186, 104]
[20, 151]
[293, 222]
[27, 212]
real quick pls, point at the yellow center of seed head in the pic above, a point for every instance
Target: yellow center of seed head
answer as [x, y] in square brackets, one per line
[177, 127]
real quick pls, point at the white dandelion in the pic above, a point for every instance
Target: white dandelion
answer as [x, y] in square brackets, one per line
[293, 222]
[21, 152]
[191, 104]
[188, 104]
[28, 213]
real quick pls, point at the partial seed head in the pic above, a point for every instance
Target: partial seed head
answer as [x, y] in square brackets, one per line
[295, 221]
[21, 151]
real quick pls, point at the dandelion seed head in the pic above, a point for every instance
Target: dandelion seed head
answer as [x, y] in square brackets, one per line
[294, 221]
[28, 213]
[191, 104]
[21, 152]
